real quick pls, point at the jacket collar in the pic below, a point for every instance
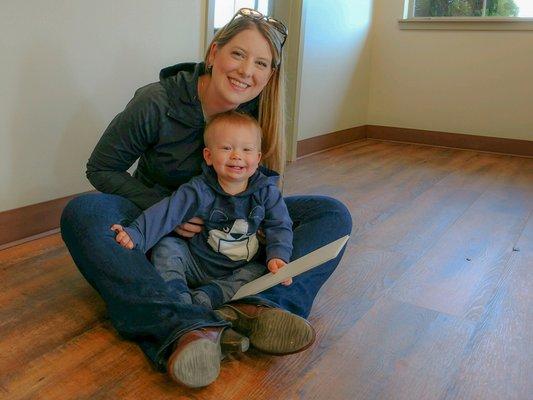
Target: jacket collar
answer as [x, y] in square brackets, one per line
[181, 84]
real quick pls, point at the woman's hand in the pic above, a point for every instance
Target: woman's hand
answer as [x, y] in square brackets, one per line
[122, 237]
[274, 264]
[190, 228]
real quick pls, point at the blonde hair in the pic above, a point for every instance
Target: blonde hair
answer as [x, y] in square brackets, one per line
[232, 117]
[271, 100]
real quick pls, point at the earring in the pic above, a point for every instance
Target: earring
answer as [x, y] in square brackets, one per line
[208, 68]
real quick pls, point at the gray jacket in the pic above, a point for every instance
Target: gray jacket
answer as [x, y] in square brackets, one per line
[163, 127]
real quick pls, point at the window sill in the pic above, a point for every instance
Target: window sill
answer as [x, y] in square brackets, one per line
[468, 24]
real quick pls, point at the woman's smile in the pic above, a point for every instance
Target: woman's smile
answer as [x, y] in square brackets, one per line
[239, 85]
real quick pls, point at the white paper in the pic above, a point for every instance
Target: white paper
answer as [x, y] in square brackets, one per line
[296, 267]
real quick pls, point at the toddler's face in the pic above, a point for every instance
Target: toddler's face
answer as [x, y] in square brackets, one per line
[233, 151]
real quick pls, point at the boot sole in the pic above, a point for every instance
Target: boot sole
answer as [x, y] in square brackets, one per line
[274, 331]
[198, 364]
[279, 332]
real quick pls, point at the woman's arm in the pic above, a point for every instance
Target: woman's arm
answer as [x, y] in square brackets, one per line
[127, 137]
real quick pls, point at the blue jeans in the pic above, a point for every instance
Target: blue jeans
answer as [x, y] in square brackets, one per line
[140, 304]
[195, 283]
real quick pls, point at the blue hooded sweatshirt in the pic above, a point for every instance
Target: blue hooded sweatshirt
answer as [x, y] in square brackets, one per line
[229, 238]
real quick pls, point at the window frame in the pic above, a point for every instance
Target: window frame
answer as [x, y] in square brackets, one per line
[409, 21]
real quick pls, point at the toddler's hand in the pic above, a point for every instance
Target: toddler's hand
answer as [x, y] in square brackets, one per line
[274, 264]
[122, 237]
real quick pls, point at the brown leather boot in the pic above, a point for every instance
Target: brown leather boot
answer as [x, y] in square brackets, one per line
[195, 360]
[271, 330]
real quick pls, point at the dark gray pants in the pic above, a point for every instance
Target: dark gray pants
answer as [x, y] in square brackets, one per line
[193, 284]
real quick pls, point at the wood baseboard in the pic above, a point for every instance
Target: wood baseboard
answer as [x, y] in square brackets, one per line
[323, 142]
[30, 222]
[514, 147]
[34, 221]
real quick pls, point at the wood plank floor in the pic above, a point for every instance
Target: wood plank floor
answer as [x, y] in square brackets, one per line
[433, 299]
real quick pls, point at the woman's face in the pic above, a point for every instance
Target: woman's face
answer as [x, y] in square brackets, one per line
[241, 68]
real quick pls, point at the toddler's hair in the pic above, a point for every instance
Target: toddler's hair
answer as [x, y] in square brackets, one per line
[232, 117]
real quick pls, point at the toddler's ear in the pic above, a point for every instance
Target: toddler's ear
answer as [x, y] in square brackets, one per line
[207, 156]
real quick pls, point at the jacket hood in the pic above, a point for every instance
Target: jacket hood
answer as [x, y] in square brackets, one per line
[261, 178]
[181, 84]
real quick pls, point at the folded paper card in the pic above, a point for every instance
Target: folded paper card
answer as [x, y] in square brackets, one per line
[296, 267]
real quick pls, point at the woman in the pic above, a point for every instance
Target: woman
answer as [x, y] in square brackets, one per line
[163, 126]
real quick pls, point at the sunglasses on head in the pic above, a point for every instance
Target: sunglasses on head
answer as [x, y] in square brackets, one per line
[254, 14]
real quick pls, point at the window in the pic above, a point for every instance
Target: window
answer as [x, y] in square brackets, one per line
[219, 13]
[225, 9]
[472, 8]
[468, 14]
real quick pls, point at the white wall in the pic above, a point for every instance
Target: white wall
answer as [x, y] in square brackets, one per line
[67, 67]
[334, 67]
[473, 82]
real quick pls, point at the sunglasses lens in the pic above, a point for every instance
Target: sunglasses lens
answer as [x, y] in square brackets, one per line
[278, 25]
[254, 14]
[249, 12]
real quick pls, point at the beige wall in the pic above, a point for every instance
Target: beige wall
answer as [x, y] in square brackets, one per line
[67, 68]
[335, 60]
[473, 82]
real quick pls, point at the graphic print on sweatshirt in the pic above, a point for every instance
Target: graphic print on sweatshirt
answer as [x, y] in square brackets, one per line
[232, 239]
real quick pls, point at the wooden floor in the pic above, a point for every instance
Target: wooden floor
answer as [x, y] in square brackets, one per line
[433, 299]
